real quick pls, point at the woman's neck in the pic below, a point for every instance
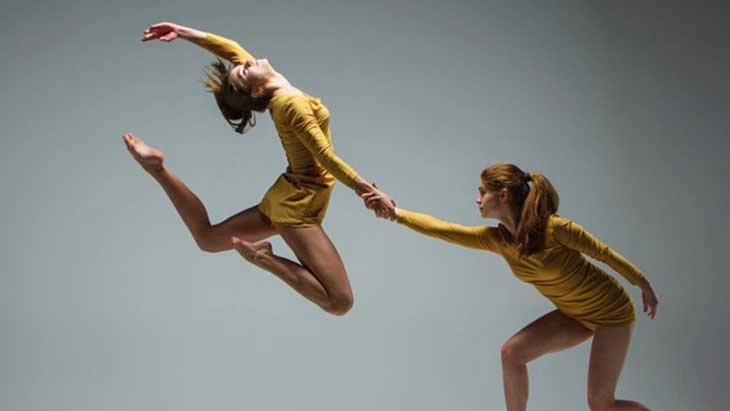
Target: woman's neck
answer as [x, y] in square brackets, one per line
[509, 221]
[278, 84]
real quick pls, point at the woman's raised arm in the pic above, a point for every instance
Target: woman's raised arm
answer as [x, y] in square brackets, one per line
[218, 45]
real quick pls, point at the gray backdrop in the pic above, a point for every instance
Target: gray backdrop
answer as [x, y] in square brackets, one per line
[107, 304]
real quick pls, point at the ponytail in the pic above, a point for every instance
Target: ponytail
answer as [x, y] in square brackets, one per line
[542, 201]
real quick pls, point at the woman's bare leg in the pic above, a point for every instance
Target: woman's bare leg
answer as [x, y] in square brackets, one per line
[248, 224]
[608, 353]
[552, 332]
[320, 276]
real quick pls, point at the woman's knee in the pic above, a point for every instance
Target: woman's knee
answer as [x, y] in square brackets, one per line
[212, 241]
[208, 244]
[340, 305]
[512, 352]
[599, 403]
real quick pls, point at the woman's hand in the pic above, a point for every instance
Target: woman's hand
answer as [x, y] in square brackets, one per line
[380, 202]
[164, 31]
[649, 298]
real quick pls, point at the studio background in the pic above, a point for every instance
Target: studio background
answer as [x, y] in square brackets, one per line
[107, 304]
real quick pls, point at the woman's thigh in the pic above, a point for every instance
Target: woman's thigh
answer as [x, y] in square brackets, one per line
[249, 225]
[318, 254]
[552, 332]
[608, 353]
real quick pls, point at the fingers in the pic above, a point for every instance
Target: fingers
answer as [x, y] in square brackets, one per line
[164, 31]
[382, 206]
[373, 203]
[150, 33]
[129, 138]
[150, 36]
[369, 204]
[651, 302]
[373, 198]
[384, 211]
[378, 208]
[373, 195]
[160, 24]
[650, 305]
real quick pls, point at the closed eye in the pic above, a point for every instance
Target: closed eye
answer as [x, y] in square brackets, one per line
[242, 76]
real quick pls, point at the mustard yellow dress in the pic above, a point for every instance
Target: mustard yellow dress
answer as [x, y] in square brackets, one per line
[559, 272]
[300, 196]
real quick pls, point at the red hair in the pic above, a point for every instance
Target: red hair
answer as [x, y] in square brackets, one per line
[532, 198]
[236, 106]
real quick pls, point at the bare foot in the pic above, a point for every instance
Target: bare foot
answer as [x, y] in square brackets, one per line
[250, 251]
[149, 158]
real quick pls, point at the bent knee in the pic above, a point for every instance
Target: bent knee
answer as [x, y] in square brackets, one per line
[340, 306]
[210, 244]
[512, 353]
[208, 247]
[600, 403]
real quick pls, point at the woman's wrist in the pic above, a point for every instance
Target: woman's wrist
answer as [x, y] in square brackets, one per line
[362, 186]
[188, 33]
[644, 284]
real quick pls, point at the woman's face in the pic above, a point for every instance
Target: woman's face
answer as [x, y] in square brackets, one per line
[491, 203]
[250, 75]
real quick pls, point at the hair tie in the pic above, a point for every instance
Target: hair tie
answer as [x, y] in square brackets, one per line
[528, 178]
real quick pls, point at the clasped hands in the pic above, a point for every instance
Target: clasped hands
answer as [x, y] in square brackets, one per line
[381, 203]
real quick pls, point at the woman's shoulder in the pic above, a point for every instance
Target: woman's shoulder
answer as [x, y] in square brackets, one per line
[557, 224]
[284, 99]
[291, 95]
[498, 233]
[289, 102]
[557, 220]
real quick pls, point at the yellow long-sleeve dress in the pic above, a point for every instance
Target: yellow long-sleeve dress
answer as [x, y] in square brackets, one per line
[300, 196]
[559, 272]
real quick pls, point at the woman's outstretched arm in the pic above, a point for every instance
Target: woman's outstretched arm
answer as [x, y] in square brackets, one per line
[480, 237]
[218, 45]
